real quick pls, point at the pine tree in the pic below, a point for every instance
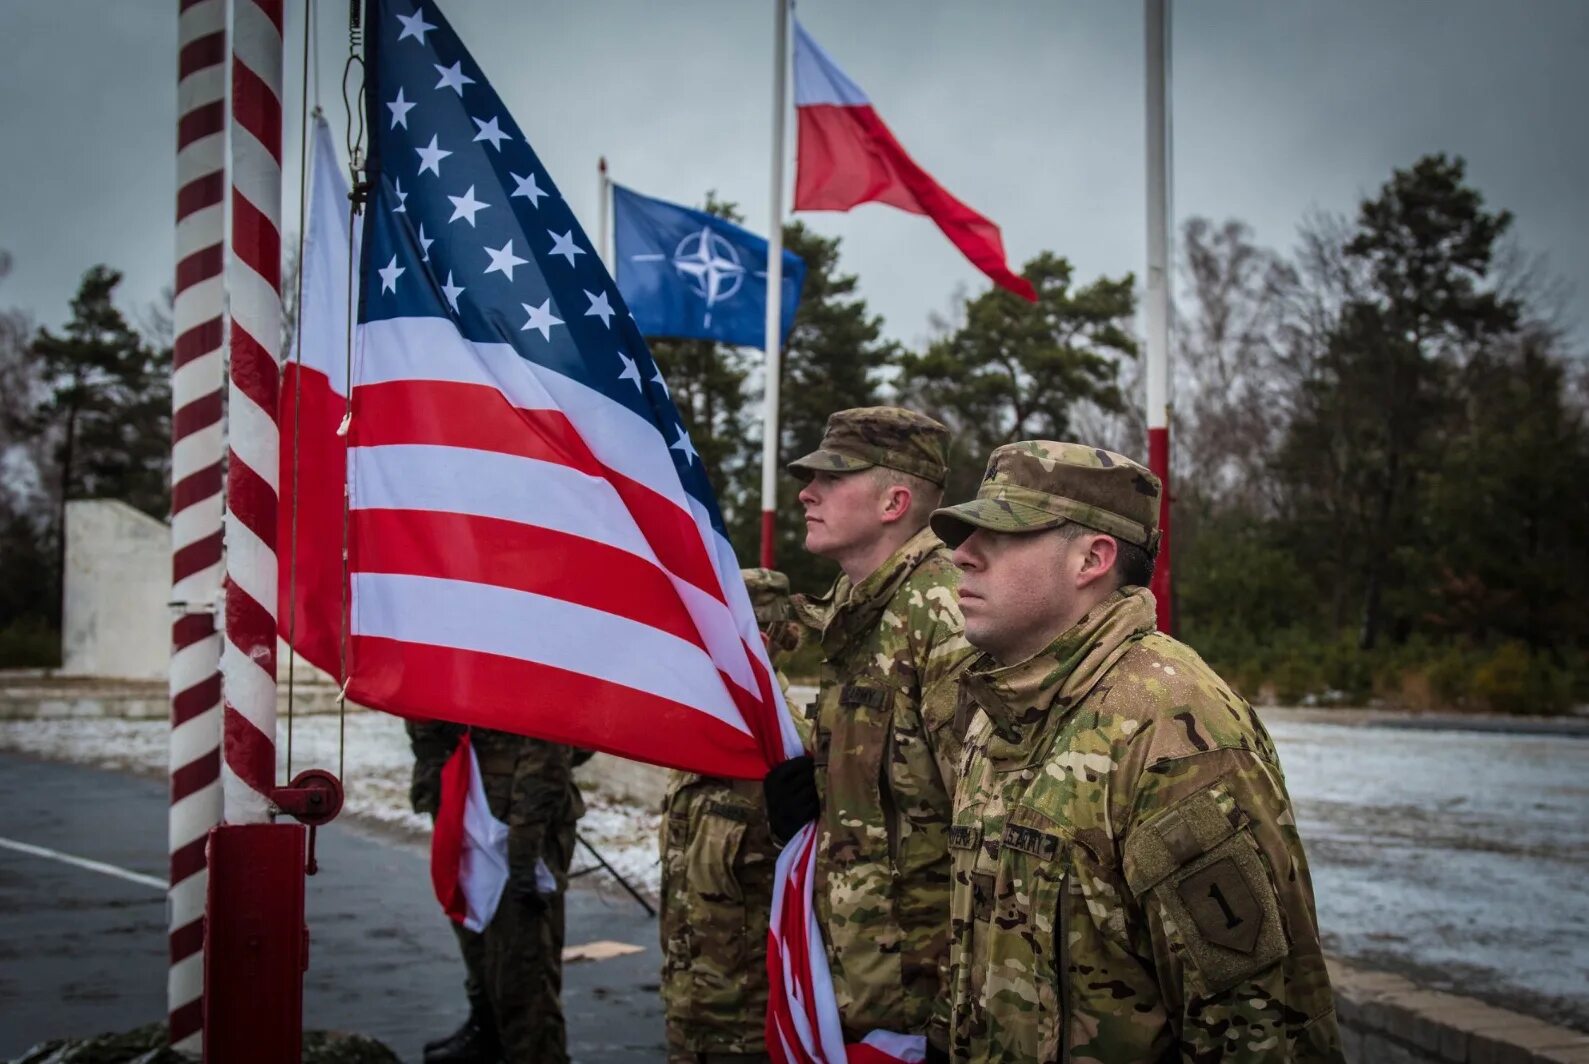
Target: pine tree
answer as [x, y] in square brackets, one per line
[107, 407]
[1016, 370]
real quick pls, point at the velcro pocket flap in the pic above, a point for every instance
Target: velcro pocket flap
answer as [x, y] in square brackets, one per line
[1172, 838]
[1203, 867]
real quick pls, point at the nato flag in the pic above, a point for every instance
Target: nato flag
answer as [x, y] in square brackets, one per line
[689, 275]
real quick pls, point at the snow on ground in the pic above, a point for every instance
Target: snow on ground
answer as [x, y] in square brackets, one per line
[375, 773]
[1457, 857]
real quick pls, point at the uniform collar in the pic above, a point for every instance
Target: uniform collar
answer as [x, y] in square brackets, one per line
[854, 609]
[1019, 698]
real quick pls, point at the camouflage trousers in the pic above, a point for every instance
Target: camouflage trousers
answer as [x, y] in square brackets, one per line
[717, 866]
[516, 965]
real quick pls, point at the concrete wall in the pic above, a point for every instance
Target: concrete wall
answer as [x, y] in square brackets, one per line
[114, 620]
[1386, 1019]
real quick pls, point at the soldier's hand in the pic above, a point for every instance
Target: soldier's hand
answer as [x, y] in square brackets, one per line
[790, 789]
[531, 898]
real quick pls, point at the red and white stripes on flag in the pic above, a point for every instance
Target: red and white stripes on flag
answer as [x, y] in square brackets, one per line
[197, 377]
[248, 655]
[578, 594]
[500, 573]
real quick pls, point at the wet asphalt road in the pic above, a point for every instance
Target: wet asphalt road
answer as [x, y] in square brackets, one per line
[82, 952]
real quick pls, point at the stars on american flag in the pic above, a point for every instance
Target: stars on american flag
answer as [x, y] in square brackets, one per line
[452, 292]
[503, 260]
[400, 108]
[600, 307]
[631, 372]
[389, 275]
[414, 26]
[453, 77]
[442, 114]
[430, 157]
[466, 207]
[528, 189]
[541, 318]
[490, 133]
[564, 245]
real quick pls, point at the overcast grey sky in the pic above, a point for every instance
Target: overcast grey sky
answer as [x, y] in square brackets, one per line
[1029, 110]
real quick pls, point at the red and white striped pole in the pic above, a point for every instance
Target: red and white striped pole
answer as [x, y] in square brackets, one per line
[1158, 293]
[248, 653]
[197, 376]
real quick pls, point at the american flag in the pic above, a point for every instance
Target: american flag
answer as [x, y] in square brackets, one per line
[533, 543]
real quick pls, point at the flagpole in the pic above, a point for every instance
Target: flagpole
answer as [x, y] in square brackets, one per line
[198, 379]
[604, 215]
[1158, 287]
[769, 440]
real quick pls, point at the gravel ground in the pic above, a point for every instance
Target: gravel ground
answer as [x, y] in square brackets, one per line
[1457, 857]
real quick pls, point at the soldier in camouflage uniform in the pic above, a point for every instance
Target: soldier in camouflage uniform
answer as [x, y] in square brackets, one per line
[433, 742]
[515, 965]
[1129, 884]
[884, 741]
[717, 871]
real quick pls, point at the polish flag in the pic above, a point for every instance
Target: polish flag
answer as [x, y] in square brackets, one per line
[469, 847]
[847, 156]
[310, 411]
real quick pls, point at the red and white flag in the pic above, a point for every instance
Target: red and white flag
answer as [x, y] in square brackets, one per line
[469, 847]
[313, 403]
[847, 156]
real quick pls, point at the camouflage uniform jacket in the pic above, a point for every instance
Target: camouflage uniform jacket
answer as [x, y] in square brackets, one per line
[433, 742]
[885, 749]
[717, 871]
[529, 784]
[1128, 880]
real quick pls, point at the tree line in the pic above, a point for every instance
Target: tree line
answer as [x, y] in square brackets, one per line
[1378, 436]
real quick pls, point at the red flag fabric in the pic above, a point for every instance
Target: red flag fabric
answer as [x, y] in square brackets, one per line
[848, 156]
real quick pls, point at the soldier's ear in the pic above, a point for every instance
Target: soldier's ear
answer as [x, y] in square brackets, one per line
[1098, 559]
[896, 502]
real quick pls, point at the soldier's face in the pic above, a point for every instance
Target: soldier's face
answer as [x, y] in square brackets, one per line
[1016, 590]
[842, 513]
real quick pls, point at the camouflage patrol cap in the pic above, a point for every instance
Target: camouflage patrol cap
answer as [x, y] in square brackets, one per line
[870, 436]
[1038, 484]
[769, 594]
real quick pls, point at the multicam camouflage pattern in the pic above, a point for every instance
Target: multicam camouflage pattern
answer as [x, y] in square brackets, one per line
[886, 748]
[1129, 884]
[529, 784]
[1038, 484]
[433, 742]
[718, 859]
[769, 597]
[717, 872]
[879, 435]
[516, 963]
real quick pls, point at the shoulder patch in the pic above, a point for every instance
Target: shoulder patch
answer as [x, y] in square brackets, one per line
[1200, 864]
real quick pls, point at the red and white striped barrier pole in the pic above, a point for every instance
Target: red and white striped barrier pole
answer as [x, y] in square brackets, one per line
[197, 376]
[248, 654]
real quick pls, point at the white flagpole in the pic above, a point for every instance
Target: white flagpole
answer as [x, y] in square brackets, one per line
[604, 217]
[1158, 279]
[769, 442]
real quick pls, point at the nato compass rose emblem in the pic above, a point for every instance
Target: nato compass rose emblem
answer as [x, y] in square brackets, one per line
[711, 266]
